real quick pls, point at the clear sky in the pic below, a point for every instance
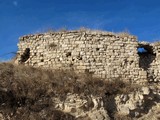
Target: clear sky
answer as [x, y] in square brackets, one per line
[21, 17]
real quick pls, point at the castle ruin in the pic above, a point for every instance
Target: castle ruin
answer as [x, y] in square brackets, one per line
[103, 54]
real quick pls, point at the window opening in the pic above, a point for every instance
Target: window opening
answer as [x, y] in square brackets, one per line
[146, 55]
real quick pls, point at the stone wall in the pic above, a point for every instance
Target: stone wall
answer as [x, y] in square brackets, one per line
[102, 54]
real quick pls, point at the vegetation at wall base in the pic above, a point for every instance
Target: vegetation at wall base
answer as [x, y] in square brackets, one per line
[26, 91]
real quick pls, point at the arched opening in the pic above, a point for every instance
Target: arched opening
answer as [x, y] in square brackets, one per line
[25, 56]
[146, 55]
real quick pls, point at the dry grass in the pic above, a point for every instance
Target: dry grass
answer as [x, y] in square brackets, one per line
[124, 34]
[64, 29]
[157, 43]
[30, 89]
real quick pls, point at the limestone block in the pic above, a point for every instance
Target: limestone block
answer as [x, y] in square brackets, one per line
[145, 90]
[81, 67]
[142, 73]
[41, 64]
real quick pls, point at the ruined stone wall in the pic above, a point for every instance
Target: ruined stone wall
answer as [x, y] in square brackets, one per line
[102, 54]
[154, 68]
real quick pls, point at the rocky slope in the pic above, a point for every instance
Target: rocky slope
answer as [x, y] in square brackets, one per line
[28, 93]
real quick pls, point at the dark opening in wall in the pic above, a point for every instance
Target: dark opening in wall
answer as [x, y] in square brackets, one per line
[146, 55]
[42, 60]
[97, 49]
[25, 55]
[68, 54]
[79, 57]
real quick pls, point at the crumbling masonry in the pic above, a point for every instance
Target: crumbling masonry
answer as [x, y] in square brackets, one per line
[102, 54]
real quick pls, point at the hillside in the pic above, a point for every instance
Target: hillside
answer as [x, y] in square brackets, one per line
[29, 93]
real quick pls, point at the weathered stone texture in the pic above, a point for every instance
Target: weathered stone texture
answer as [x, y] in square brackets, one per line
[102, 54]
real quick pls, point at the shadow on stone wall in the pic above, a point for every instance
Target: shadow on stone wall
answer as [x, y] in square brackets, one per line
[25, 56]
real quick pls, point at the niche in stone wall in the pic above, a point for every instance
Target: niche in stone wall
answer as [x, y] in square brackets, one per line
[146, 54]
[25, 56]
[52, 46]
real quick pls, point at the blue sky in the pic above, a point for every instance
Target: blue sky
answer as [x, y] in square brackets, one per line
[21, 17]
